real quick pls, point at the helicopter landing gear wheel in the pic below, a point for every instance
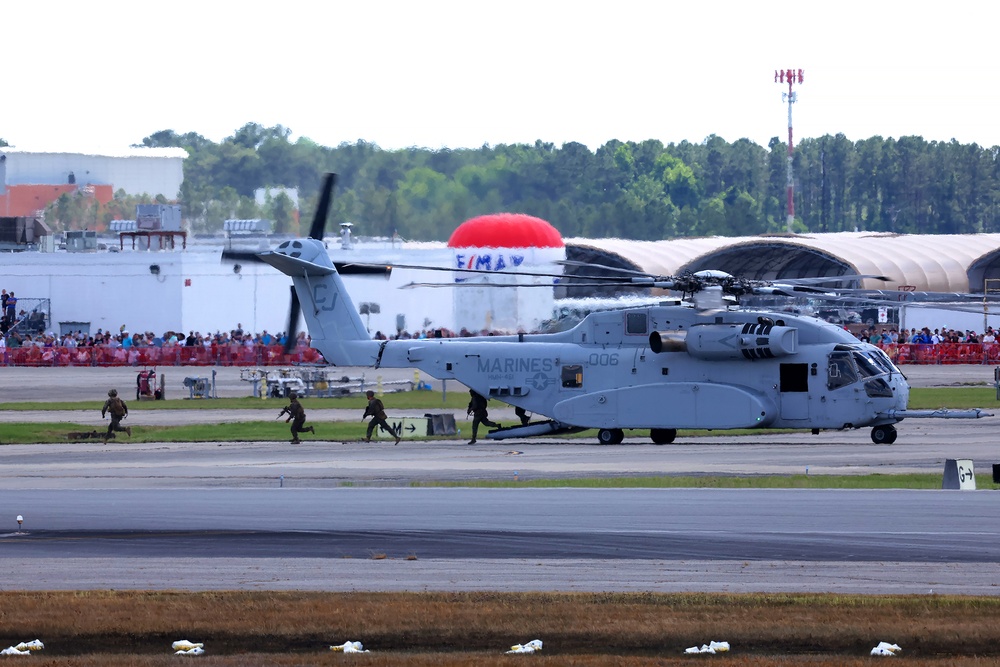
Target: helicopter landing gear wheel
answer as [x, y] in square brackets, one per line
[662, 436]
[884, 435]
[610, 436]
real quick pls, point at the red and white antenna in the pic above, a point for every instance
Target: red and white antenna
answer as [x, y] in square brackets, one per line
[791, 76]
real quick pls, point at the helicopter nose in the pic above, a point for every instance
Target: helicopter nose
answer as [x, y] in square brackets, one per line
[901, 390]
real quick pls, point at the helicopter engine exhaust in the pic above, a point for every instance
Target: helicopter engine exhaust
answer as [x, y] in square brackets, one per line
[761, 340]
[668, 341]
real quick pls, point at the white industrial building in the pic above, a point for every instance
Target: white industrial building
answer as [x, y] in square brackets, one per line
[153, 171]
[194, 290]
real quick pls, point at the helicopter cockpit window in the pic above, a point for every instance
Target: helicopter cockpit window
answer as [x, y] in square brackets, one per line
[878, 388]
[867, 367]
[841, 371]
[635, 324]
[882, 360]
[572, 376]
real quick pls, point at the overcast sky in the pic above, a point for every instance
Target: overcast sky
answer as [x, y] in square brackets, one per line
[434, 74]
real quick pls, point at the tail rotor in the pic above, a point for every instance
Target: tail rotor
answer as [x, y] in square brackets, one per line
[323, 207]
[293, 322]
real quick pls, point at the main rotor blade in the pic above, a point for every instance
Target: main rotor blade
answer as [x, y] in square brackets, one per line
[590, 265]
[965, 307]
[323, 207]
[509, 285]
[826, 279]
[912, 297]
[561, 276]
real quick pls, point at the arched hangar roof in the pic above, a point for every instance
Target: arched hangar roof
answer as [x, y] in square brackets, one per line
[664, 258]
[941, 263]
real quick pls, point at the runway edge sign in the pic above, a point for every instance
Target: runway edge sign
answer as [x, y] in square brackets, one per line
[959, 474]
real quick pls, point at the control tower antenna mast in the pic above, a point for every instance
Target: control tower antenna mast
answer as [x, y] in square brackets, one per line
[791, 76]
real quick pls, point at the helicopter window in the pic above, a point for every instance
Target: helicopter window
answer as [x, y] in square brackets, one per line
[878, 388]
[635, 323]
[840, 372]
[572, 376]
[794, 377]
[882, 360]
[866, 366]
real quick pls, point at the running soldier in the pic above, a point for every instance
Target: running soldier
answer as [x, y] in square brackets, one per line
[477, 408]
[296, 415]
[376, 410]
[119, 411]
[522, 414]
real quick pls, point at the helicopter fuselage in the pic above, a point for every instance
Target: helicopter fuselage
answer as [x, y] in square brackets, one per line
[671, 367]
[654, 367]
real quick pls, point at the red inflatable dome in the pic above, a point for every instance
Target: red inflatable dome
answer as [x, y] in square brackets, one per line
[505, 230]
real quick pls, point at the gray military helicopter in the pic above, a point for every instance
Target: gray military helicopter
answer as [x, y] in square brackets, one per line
[661, 368]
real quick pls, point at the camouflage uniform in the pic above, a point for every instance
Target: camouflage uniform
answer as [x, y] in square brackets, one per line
[477, 408]
[377, 411]
[522, 414]
[297, 415]
[119, 411]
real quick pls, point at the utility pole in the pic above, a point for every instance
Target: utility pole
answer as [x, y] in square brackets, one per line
[790, 76]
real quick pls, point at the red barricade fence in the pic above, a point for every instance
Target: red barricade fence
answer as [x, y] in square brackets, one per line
[943, 353]
[224, 355]
[273, 355]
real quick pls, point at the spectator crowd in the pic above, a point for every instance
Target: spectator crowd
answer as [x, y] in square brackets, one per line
[938, 346]
[925, 336]
[124, 339]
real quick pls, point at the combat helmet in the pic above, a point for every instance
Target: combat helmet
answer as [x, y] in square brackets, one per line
[112, 392]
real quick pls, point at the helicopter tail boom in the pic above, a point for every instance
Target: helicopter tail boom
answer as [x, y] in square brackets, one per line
[334, 323]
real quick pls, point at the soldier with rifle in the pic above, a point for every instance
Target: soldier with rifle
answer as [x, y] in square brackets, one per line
[377, 412]
[119, 411]
[296, 415]
[480, 414]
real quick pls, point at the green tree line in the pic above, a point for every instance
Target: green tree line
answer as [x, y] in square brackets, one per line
[639, 190]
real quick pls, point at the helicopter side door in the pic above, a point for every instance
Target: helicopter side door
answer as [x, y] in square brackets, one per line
[793, 388]
[842, 402]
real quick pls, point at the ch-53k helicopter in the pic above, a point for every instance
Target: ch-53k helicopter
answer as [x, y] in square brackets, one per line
[660, 368]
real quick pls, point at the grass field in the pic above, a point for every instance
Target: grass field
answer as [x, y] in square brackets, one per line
[268, 430]
[263, 628]
[903, 481]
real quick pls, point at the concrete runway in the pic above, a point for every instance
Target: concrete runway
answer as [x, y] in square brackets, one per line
[388, 539]
[195, 516]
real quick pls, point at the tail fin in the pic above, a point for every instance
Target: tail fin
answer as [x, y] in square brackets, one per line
[332, 319]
